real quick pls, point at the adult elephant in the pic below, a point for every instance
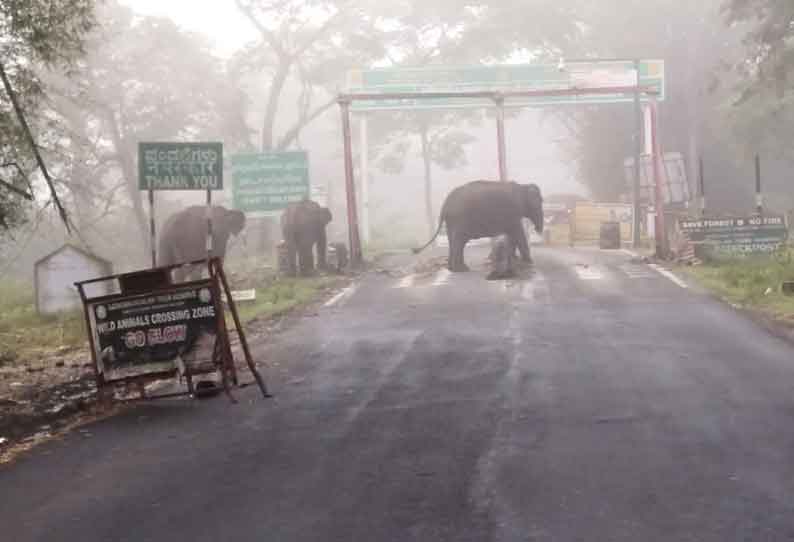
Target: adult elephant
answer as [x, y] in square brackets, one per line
[184, 236]
[487, 209]
[303, 227]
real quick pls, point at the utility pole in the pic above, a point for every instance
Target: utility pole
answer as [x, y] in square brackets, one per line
[759, 198]
[702, 187]
[638, 130]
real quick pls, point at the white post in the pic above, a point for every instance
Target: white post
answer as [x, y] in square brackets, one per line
[364, 149]
[647, 135]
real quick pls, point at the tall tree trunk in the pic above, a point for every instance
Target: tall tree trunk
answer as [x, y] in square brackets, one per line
[276, 87]
[127, 165]
[428, 163]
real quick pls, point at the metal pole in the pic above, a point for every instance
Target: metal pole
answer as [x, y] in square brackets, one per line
[209, 223]
[702, 187]
[350, 187]
[759, 198]
[152, 237]
[661, 232]
[364, 149]
[500, 137]
[638, 126]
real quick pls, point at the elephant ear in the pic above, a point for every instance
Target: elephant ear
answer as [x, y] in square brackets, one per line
[326, 215]
[534, 191]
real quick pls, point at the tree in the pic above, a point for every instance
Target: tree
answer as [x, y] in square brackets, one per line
[695, 43]
[761, 112]
[142, 79]
[311, 44]
[34, 35]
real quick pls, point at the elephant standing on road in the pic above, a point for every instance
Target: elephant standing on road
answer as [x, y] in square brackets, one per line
[184, 235]
[487, 209]
[303, 226]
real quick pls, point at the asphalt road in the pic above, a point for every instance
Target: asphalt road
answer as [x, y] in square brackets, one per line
[595, 400]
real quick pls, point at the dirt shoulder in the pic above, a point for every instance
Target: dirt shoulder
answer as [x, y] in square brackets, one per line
[47, 382]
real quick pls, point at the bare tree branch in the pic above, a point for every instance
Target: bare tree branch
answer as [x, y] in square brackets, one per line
[266, 34]
[21, 116]
[290, 135]
[16, 190]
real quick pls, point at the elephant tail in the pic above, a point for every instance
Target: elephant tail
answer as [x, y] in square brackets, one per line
[438, 230]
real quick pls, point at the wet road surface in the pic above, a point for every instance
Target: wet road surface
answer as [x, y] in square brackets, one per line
[593, 400]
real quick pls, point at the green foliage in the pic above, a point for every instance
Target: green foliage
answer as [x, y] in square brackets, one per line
[25, 335]
[34, 35]
[761, 113]
[751, 281]
[283, 295]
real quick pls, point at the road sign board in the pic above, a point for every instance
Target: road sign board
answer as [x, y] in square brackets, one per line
[675, 186]
[146, 333]
[505, 78]
[268, 182]
[180, 166]
[738, 236]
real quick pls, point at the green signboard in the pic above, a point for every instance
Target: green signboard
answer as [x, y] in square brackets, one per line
[738, 236]
[180, 166]
[506, 78]
[268, 182]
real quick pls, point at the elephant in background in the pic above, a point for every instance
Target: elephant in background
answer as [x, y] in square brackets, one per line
[487, 209]
[303, 226]
[184, 236]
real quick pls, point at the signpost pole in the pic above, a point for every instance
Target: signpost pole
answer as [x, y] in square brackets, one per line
[500, 136]
[635, 193]
[152, 237]
[350, 187]
[661, 232]
[209, 224]
[702, 187]
[759, 198]
[364, 149]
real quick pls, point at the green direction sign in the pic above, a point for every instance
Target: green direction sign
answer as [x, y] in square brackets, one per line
[268, 182]
[738, 236]
[180, 166]
[506, 78]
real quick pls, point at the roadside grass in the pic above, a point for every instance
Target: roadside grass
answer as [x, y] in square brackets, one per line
[24, 334]
[281, 296]
[752, 282]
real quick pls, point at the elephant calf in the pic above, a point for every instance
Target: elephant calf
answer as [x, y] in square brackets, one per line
[303, 226]
[502, 255]
[184, 235]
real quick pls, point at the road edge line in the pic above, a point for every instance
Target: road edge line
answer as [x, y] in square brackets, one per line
[669, 275]
[341, 295]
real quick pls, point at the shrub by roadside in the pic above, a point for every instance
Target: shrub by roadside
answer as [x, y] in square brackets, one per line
[753, 282]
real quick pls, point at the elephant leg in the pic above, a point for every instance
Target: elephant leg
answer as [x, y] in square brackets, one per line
[456, 244]
[520, 239]
[292, 256]
[306, 257]
[321, 250]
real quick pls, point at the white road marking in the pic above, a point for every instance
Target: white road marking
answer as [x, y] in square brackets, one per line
[442, 277]
[406, 282]
[637, 272]
[588, 273]
[667, 274]
[341, 295]
[630, 253]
